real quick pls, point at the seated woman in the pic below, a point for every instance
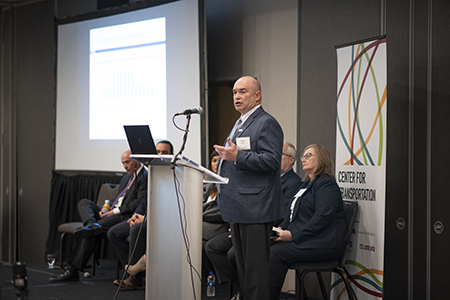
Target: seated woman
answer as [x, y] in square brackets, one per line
[213, 224]
[315, 228]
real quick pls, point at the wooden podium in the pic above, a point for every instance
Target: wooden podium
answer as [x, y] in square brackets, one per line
[174, 226]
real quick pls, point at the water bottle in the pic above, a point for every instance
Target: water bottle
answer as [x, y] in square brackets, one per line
[106, 206]
[211, 285]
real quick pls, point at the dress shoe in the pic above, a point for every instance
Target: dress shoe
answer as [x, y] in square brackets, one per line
[68, 275]
[237, 296]
[137, 267]
[131, 283]
[88, 231]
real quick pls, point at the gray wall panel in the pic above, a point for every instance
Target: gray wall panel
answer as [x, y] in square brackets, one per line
[440, 144]
[324, 25]
[35, 118]
[8, 180]
[396, 241]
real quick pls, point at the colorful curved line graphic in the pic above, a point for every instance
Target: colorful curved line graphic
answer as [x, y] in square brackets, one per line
[368, 276]
[357, 76]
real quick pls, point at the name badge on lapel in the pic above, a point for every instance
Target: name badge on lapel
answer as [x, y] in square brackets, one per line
[243, 143]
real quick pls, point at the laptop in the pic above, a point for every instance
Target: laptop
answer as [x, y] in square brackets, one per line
[140, 139]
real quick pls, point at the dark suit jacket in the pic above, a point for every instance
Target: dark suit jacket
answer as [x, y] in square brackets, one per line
[253, 194]
[290, 184]
[136, 196]
[213, 224]
[318, 220]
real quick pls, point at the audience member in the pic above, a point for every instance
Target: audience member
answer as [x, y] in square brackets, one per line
[136, 229]
[132, 193]
[250, 201]
[213, 223]
[290, 181]
[314, 228]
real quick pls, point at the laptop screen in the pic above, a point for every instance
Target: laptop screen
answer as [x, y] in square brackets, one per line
[140, 139]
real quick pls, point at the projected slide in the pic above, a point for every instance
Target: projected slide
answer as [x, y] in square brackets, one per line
[134, 68]
[127, 79]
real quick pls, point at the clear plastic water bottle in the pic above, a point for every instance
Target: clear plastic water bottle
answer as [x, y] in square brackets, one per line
[211, 285]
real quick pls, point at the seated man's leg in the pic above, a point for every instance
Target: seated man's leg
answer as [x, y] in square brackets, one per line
[117, 235]
[138, 241]
[81, 254]
[84, 248]
[135, 249]
[216, 249]
[207, 265]
[89, 211]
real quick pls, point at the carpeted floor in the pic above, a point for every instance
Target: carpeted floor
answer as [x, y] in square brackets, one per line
[99, 287]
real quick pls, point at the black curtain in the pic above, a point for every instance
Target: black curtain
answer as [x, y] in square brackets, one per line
[66, 190]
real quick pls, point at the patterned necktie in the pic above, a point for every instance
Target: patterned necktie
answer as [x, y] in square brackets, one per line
[123, 191]
[233, 132]
[236, 127]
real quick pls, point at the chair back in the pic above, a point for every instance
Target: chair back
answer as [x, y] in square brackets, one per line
[350, 212]
[350, 209]
[108, 191]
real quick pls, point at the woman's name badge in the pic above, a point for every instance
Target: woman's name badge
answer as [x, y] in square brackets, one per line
[243, 143]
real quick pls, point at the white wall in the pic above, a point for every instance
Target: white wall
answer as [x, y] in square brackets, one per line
[269, 47]
[258, 38]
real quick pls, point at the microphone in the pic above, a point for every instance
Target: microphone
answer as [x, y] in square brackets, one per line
[197, 110]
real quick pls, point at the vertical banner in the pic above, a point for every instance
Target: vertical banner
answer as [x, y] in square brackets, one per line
[361, 162]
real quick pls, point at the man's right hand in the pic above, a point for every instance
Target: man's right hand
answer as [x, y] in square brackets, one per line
[104, 214]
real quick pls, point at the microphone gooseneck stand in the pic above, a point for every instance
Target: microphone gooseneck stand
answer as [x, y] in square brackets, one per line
[186, 131]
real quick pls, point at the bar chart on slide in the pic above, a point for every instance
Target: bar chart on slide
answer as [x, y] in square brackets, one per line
[124, 86]
[127, 71]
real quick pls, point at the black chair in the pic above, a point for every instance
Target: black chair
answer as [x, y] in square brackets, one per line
[336, 266]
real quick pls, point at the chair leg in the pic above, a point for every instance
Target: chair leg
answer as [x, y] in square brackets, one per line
[301, 278]
[322, 286]
[346, 282]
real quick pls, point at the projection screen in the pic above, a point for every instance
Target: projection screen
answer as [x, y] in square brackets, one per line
[135, 68]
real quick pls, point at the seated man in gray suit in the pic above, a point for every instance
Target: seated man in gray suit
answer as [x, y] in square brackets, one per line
[132, 192]
[250, 202]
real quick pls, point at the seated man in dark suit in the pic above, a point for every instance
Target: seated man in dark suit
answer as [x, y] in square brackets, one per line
[132, 192]
[290, 181]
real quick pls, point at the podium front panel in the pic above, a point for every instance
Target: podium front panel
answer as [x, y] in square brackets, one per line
[168, 270]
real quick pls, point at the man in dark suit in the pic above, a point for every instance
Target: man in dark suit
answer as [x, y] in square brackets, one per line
[132, 193]
[250, 202]
[290, 181]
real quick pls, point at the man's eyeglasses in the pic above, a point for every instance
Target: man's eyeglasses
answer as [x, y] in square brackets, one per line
[306, 156]
[287, 155]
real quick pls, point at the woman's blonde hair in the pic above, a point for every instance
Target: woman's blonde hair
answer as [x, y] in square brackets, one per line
[324, 161]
